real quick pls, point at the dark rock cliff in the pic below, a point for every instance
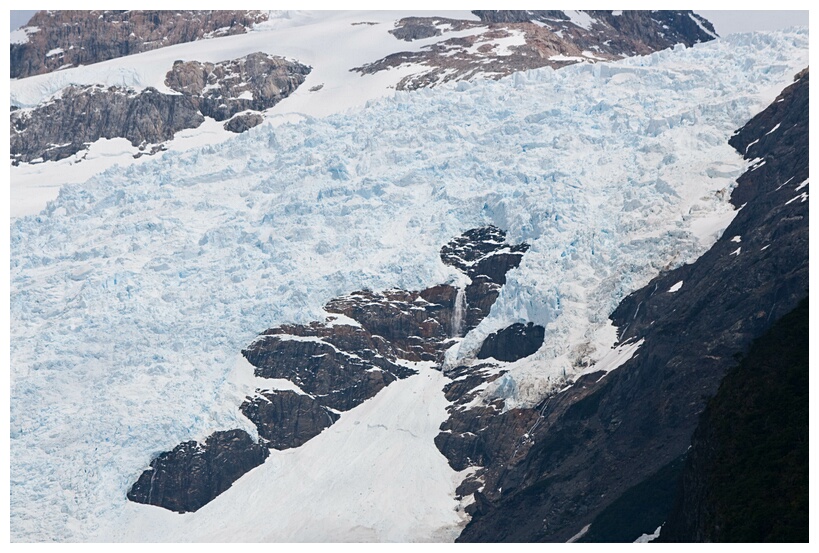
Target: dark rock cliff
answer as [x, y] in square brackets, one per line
[601, 438]
[513, 342]
[192, 474]
[66, 38]
[746, 475]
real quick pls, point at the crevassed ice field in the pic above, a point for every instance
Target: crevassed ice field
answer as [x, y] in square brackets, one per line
[132, 294]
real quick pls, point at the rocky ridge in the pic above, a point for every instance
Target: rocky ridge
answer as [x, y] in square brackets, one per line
[81, 115]
[506, 41]
[69, 38]
[368, 340]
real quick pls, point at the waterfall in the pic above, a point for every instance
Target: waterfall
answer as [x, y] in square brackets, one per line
[458, 314]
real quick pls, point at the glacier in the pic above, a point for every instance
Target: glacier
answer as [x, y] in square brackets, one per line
[132, 293]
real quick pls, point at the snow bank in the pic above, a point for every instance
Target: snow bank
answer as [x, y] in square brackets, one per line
[132, 293]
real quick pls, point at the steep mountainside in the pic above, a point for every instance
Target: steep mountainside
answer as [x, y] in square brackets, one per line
[746, 475]
[55, 40]
[602, 436]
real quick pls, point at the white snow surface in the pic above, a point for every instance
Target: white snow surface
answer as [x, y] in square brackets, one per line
[132, 293]
[324, 491]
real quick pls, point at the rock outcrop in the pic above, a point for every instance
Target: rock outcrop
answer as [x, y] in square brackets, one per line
[507, 41]
[243, 121]
[286, 418]
[81, 115]
[255, 82]
[66, 38]
[84, 114]
[369, 340]
[191, 475]
[513, 342]
[600, 438]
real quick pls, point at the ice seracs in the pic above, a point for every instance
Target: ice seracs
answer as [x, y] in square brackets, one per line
[183, 260]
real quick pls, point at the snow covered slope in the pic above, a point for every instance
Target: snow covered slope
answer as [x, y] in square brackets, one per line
[330, 42]
[132, 294]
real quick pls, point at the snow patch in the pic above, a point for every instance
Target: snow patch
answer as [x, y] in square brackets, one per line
[20, 36]
[646, 538]
[696, 20]
[580, 18]
[579, 534]
[331, 477]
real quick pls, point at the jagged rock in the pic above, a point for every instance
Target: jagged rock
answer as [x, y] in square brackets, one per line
[243, 121]
[57, 39]
[256, 82]
[590, 446]
[551, 38]
[285, 418]
[483, 435]
[416, 28]
[191, 475]
[336, 378]
[519, 16]
[341, 363]
[513, 342]
[412, 322]
[485, 256]
[466, 379]
[84, 114]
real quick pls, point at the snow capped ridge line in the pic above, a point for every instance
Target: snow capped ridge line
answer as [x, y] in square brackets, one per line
[595, 203]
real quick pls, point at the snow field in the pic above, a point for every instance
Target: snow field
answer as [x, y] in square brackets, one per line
[132, 294]
[372, 476]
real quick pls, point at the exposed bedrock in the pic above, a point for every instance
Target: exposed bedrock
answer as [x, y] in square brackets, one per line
[286, 418]
[69, 38]
[192, 474]
[513, 342]
[82, 115]
[367, 342]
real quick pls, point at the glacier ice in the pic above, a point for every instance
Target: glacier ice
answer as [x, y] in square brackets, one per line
[131, 294]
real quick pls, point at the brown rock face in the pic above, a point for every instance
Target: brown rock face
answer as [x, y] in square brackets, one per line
[191, 475]
[243, 121]
[546, 38]
[257, 82]
[82, 115]
[287, 419]
[338, 364]
[71, 38]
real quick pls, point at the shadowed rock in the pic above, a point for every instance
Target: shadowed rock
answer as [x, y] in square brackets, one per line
[513, 342]
[191, 475]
